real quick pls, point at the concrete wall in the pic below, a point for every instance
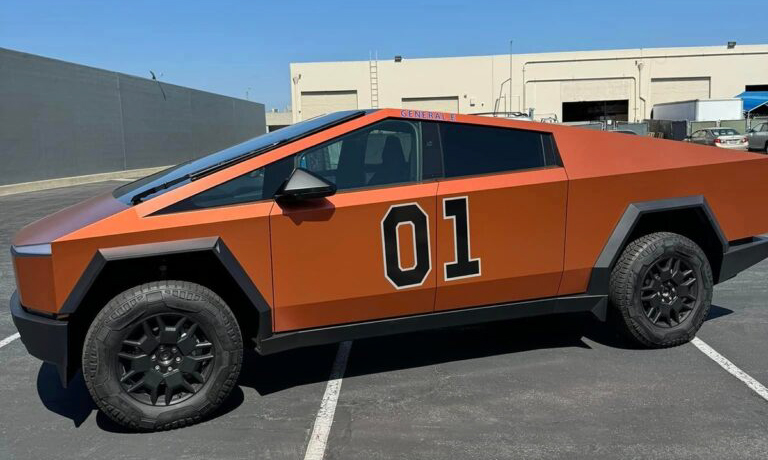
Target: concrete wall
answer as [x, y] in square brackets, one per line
[59, 119]
[543, 81]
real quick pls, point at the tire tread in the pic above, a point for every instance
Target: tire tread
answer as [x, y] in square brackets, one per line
[122, 302]
[622, 286]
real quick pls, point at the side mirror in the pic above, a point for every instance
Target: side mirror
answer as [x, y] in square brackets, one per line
[304, 185]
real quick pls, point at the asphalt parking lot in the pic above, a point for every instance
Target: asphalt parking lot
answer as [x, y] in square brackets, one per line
[551, 387]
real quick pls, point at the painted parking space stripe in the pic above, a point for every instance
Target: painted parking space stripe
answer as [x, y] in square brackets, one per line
[732, 369]
[319, 439]
[8, 340]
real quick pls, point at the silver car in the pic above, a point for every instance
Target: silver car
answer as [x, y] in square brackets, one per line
[758, 138]
[727, 138]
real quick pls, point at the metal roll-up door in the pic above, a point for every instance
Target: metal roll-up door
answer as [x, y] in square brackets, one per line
[314, 103]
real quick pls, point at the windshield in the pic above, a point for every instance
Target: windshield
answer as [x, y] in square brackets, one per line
[725, 132]
[180, 171]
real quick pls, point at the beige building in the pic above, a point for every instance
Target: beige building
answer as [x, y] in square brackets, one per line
[569, 86]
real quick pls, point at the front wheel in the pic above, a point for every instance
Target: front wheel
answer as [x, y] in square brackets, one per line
[162, 355]
[661, 289]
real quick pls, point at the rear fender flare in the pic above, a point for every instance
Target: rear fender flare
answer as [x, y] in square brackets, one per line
[601, 272]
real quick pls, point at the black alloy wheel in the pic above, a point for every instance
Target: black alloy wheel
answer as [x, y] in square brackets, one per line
[669, 291]
[166, 355]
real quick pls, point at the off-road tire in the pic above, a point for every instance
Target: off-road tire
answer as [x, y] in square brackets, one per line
[628, 278]
[101, 367]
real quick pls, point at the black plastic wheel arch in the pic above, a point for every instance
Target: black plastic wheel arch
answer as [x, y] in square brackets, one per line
[139, 251]
[601, 272]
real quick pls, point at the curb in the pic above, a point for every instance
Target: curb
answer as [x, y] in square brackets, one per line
[48, 184]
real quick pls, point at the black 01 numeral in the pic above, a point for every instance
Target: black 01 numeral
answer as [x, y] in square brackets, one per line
[406, 214]
[462, 266]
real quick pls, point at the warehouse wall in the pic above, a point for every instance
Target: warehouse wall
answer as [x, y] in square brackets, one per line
[543, 81]
[59, 119]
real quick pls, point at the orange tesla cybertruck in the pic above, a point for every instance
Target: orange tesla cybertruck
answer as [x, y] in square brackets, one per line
[365, 223]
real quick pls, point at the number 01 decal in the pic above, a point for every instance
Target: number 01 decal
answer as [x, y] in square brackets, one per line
[403, 214]
[411, 214]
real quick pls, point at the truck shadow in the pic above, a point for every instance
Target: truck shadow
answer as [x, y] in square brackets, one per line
[275, 373]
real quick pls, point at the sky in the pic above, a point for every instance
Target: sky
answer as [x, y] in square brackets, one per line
[243, 48]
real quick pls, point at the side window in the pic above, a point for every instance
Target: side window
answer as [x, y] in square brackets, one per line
[764, 127]
[388, 152]
[260, 184]
[471, 149]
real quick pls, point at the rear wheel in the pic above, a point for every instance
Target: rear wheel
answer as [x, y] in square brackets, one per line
[661, 289]
[162, 355]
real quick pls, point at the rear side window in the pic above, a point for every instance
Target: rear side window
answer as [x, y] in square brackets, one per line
[470, 149]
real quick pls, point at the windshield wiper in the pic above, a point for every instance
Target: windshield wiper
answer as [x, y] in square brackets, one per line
[223, 164]
[137, 198]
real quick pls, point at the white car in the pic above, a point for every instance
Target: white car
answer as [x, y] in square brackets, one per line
[727, 138]
[758, 138]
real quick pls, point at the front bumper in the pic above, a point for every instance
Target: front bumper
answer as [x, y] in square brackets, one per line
[45, 338]
[742, 255]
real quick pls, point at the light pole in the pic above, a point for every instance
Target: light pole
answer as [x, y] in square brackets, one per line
[296, 104]
[510, 75]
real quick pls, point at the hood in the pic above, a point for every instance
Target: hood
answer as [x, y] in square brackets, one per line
[53, 227]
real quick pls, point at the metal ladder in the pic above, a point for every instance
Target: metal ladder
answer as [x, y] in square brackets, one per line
[373, 72]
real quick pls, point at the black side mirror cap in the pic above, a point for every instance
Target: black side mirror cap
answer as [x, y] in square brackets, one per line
[304, 185]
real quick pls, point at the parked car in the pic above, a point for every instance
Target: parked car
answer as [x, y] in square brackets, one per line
[366, 223]
[624, 131]
[757, 138]
[727, 138]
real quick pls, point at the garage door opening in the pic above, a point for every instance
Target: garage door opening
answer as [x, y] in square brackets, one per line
[439, 104]
[596, 110]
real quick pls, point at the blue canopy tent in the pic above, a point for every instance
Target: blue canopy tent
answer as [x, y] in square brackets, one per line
[754, 99]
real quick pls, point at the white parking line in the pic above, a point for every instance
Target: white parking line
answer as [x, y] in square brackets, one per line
[753, 384]
[8, 340]
[319, 439]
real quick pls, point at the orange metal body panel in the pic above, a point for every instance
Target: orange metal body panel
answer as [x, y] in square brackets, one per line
[34, 276]
[328, 263]
[244, 229]
[607, 172]
[517, 230]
